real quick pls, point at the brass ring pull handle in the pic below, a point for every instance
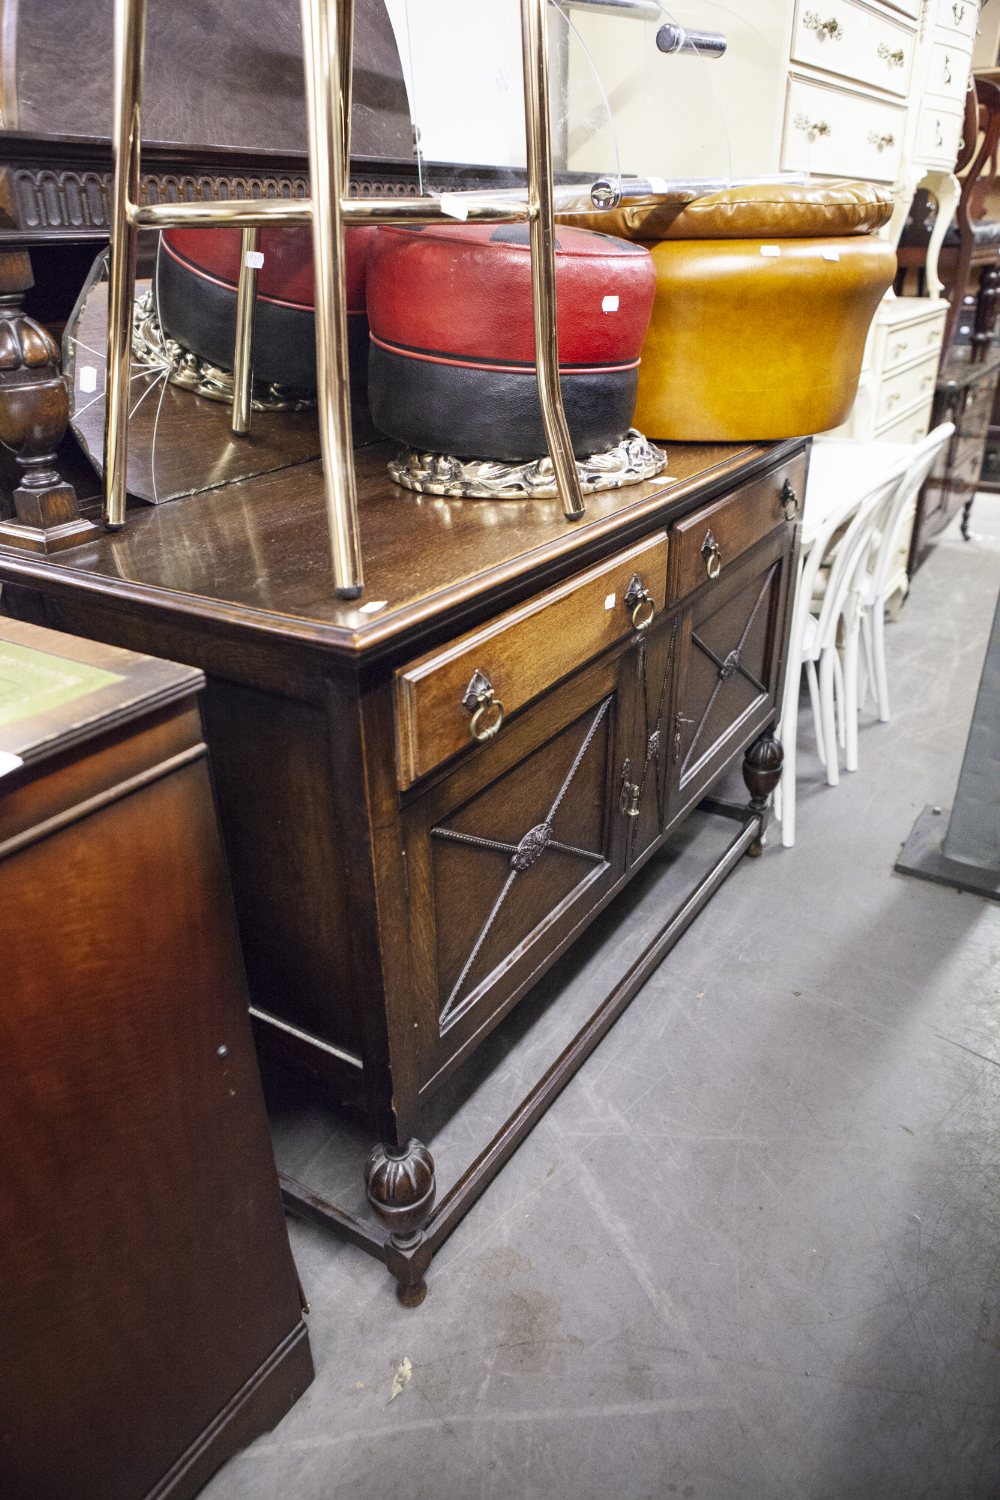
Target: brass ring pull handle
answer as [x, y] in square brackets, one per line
[482, 731]
[789, 500]
[486, 709]
[712, 553]
[641, 602]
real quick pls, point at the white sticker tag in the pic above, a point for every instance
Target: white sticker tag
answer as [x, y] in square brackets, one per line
[609, 304]
[770, 250]
[9, 762]
[454, 206]
[658, 185]
[831, 255]
[373, 607]
[254, 259]
[610, 601]
[88, 378]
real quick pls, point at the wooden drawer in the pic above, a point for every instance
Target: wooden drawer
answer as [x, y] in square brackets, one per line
[859, 44]
[957, 16]
[834, 133]
[522, 653]
[978, 406]
[736, 524]
[948, 71]
[910, 427]
[938, 135]
[964, 474]
[906, 388]
[900, 344]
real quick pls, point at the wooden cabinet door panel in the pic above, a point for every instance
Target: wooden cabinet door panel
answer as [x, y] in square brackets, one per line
[729, 660]
[509, 854]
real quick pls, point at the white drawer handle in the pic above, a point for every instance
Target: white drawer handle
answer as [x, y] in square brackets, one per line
[812, 128]
[895, 59]
[898, 349]
[880, 141]
[893, 398]
[831, 28]
[927, 380]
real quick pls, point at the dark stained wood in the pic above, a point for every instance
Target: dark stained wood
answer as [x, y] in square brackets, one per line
[965, 394]
[387, 930]
[521, 654]
[152, 1321]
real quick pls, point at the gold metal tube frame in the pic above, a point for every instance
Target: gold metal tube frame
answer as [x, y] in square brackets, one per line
[246, 307]
[130, 28]
[543, 263]
[287, 211]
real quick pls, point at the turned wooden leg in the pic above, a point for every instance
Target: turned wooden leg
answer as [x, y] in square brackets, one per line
[400, 1187]
[34, 412]
[762, 771]
[986, 310]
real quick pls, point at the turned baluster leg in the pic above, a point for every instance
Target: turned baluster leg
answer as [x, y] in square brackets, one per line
[986, 310]
[34, 412]
[400, 1187]
[762, 771]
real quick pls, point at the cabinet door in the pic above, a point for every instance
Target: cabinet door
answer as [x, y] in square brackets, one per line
[509, 853]
[646, 773]
[728, 666]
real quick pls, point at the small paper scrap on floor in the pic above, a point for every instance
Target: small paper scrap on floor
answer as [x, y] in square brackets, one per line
[401, 1379]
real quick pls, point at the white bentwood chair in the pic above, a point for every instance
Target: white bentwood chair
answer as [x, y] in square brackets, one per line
[813, 644]
[874, 585]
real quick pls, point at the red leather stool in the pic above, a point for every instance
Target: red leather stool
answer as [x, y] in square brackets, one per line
[452, 362]
[197, 274]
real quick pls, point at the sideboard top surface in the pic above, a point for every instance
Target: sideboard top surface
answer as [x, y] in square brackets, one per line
[254, 555]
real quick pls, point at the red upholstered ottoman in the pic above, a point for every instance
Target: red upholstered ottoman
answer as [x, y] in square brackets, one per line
[452, 361]
[197, 274]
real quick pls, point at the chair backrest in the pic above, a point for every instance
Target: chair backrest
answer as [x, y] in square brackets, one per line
[924, 454]
[853, 549]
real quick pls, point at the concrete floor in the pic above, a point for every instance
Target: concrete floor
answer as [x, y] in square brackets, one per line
[754, 1249]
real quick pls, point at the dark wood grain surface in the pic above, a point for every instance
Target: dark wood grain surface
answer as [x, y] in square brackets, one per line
[255, 555]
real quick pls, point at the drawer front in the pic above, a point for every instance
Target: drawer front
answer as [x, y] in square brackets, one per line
[958, 16]
[705, 546]
[906, 388]
[519, 655]
[833, 133]
[938, 135]
[910, 427]
[904, 343]
[846, 38]
[948, 71]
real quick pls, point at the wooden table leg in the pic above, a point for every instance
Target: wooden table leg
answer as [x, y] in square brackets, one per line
[34, 412]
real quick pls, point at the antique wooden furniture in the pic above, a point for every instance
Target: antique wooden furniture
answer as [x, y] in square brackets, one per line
[151, 1314]
[965, 393]
[428, 794]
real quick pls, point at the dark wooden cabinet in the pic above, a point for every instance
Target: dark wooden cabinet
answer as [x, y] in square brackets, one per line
[964, 395]
[427, 795]
[152, 1322]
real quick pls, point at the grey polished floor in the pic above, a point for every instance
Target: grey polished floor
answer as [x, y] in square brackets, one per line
[754, 1249]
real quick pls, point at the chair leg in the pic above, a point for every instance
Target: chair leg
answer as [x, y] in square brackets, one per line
[878, 646]
[826, 679]
[811, 679]
[868, 661]
[852, 643]
[838, 681]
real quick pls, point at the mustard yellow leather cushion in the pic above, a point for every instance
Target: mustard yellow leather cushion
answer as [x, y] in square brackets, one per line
[765, 210]
[745, 344]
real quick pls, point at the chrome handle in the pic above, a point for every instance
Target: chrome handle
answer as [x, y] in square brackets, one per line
[640, 601]
[831, 28]
[938, 134]
[958, 11]
[895, 59]
[789, 500]
[486, 709]
[712, 553]
[812, 128]
[947, 70]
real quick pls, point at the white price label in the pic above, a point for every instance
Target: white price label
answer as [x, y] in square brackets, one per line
[254, 259]
[770, 250]
[88, 379]
[609, 304]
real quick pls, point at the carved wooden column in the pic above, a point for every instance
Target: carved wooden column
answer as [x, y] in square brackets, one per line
[986, 311]
[762, 765]
[34, 412]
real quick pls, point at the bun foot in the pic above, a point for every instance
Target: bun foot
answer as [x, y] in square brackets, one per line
[400, 1187]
